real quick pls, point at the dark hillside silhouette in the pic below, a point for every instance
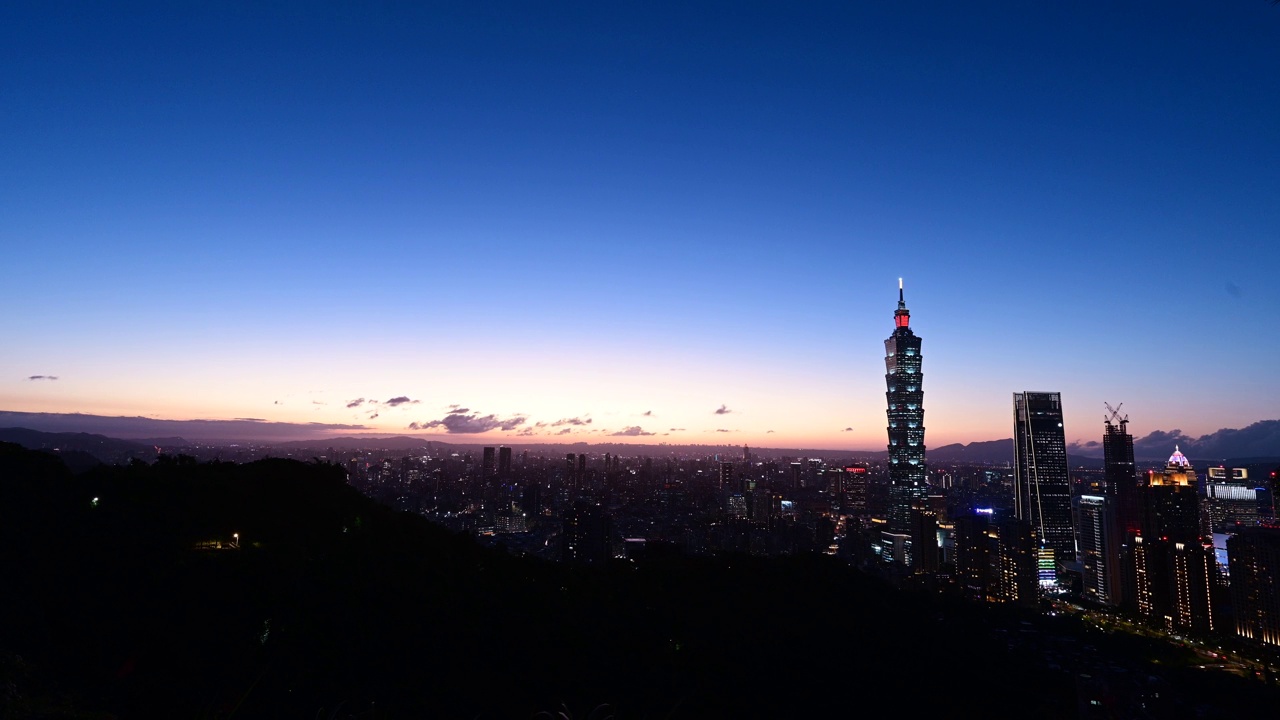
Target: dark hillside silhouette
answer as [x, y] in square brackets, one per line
[125, 595]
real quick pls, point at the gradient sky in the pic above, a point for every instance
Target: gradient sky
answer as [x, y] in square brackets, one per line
[598, 210]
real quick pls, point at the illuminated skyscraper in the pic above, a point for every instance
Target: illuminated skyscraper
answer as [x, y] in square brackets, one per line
[1175, 569]
[905, 396]
[1255, 583]
[1042, 489]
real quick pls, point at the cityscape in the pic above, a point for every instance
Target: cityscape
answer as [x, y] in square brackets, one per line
[564, 361]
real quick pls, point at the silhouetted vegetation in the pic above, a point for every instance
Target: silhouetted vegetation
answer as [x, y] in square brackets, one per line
[335, 606]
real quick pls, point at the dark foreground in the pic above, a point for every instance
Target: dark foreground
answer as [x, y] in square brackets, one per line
[337, 607]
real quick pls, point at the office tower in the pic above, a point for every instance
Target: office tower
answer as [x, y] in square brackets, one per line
[856, 479]
[1175, 571]
[1255, 583]
[746, 454]
[1042, 489]
[726, 477]
[1230, 499]
[571, 477]
[905, 396]
[1099, 548]
[487, 465]
[504, 462]
[1121, 487]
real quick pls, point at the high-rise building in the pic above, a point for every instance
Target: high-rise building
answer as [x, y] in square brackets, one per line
[587, 535]
[1042, 487]
[1120, 486]
[1230, 499]
[1175, 570]
[996, 559]
[905, 396]
[1255, 583]
[504, 461]
[726, 477]
[1099, 548]
[487, 465]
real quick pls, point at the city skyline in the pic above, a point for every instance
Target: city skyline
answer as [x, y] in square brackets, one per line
[657, 224]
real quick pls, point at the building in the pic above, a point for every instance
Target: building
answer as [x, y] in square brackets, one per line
[488, 464]
[504, 462]
[904, 394]
[1231, 501]
[726, 477]
[587, 536]
[1255, 583]
[1175, 570]
[1042, 487]
[996, 559]
[1099, 549]
[1121, 487]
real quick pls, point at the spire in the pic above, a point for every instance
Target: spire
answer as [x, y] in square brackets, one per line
[901, 316]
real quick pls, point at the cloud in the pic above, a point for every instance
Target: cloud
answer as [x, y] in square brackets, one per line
[565, 431]
[677, 429]
[766, 432]
[374, 415]
[647, 413]
[317, 402]
[848, 429]
[722, 430]
[633, 431]
[470, 423]
[571, 421]
[402, 400]
[525, 432]
[42, 377]
[723, 410]
[1261, 439]
[355, 403]
[455, 410]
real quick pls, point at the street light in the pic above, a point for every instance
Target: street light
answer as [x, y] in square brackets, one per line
[236, 540]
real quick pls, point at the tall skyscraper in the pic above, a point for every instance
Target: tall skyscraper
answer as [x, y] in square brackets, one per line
[487, 465]
[1042, 494]
[1120, 486]
[504, 461]
[1175, 569]
[905, 395]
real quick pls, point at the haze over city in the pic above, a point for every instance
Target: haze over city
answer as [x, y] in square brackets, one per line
[653, 222]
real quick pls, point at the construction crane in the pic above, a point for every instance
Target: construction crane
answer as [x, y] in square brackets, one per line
[1115, 415]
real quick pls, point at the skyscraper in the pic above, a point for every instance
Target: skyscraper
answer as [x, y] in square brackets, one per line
[1255, 583]
[487, 465]
[905, 396]
[1042, 488]
[504, 461]
[1120, 486]
[1175, 569]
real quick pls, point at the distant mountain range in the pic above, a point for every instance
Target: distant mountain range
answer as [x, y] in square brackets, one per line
[112, 439]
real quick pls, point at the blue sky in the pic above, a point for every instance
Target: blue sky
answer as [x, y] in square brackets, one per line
[570, 210]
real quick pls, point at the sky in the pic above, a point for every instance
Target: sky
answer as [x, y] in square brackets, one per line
[683, 224]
